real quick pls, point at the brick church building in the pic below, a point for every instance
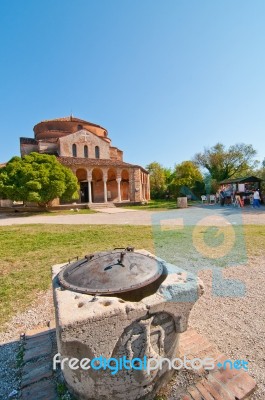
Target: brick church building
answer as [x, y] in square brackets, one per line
[86, 149]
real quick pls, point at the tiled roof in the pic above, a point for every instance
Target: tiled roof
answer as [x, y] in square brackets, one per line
[71, 119]
[94, 162]
[245, 179]
[2, 165]
[97, 162]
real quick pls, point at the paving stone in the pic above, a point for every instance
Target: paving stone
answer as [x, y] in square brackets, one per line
[206, 395]
[242, 386]
[44, 390]
[194, 393]
[225, 375]
[34, 372]
[215, 391]
[221, 383]
[38, 351]
[37, 341]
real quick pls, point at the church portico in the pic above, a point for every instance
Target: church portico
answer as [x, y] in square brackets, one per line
[103, 185]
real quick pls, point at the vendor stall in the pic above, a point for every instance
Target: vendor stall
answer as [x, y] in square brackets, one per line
[243, 187]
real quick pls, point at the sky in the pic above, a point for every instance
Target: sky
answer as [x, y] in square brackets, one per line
[166, 78]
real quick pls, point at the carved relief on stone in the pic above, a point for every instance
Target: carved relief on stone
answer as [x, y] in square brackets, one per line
[154, 337]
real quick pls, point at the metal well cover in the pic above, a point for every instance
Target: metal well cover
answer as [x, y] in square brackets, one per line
[110, 272]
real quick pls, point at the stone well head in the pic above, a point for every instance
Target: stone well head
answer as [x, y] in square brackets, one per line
[120, 305]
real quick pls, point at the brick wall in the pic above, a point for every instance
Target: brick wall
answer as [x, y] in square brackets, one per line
[81, 139]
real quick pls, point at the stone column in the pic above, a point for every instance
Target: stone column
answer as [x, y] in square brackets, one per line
[105, 190]
[89, 181]
[148, 187]
[140, 191]
[118, 180]
[89, 192]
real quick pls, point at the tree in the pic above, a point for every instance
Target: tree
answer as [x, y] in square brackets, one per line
[187, 174]
[38, 178]
[222, 164]
[158, 176]
[260, 173]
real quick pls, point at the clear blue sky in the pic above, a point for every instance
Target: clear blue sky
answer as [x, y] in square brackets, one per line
[166, 78]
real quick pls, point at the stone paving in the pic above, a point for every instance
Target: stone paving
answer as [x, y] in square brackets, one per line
[38, 378]
[220, 383]
[37, 375]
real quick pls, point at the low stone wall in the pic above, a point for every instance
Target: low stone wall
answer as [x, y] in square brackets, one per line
[6, 203]
[28, 209]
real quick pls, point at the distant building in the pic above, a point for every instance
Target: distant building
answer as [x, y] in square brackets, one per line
[86, 149]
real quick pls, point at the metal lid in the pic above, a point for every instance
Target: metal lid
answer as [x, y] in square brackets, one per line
[110, 272]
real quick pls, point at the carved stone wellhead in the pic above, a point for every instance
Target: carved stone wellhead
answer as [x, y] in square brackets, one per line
[118, 315]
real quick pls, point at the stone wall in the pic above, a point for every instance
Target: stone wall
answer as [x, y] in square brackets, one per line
[116, 154]
[27, 148]
[81, 139]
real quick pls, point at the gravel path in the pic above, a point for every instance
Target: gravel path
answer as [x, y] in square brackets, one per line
[235, 325]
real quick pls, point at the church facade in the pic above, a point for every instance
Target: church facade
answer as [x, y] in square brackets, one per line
[86, 149]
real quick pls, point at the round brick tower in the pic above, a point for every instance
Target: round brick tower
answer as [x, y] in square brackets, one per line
[59, 127]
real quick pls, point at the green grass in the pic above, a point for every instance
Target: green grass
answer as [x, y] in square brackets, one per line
[29, 251]
[156, 205]
[159, 205]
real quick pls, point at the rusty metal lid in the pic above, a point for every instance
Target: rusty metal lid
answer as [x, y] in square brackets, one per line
[120, 270]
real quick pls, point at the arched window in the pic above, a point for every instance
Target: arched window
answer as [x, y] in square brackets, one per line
[85, 151]
[96, 152]
[79, 127]
[74, 150]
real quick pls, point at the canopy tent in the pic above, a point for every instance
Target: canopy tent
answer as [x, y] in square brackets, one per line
[246, 179]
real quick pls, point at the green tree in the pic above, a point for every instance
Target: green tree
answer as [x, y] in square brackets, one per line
[158, 176]
[38, 178]
[187, 174]
[223, 163]
[260, 173]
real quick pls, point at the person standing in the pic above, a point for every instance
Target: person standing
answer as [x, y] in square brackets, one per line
[222, 198]
[256, 199]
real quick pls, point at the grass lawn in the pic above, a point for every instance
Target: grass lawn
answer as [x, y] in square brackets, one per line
[157, 205]
[29, 251]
